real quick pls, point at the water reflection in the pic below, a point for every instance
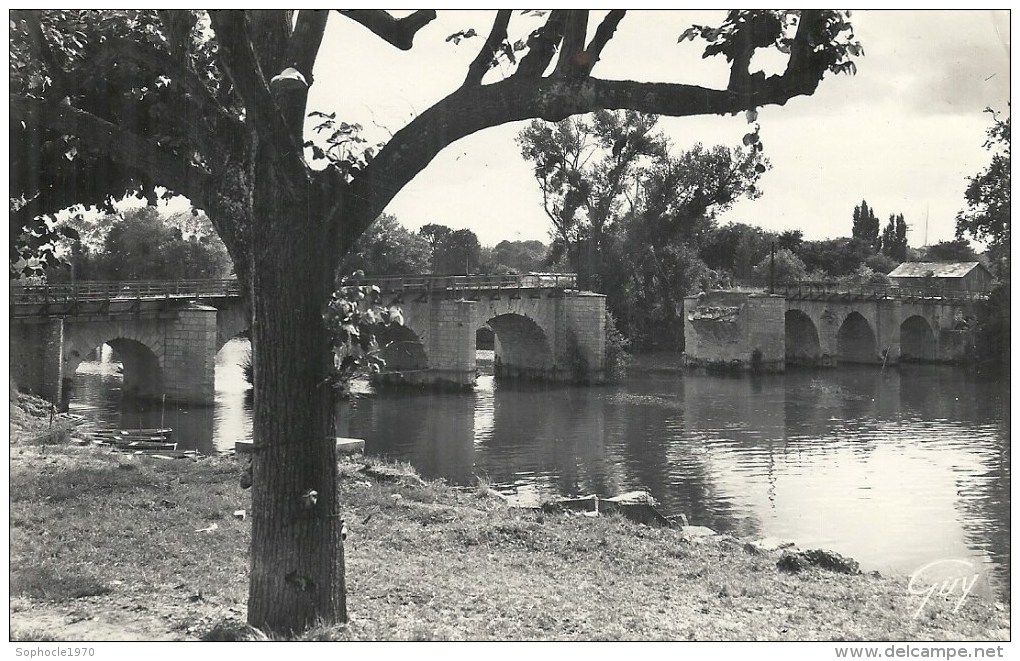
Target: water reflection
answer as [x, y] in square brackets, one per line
[895, 467]
[96, 392]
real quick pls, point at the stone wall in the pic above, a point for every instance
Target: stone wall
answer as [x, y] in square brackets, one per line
[584, 324]
[189, 360]
[35, 350]
[735, 330]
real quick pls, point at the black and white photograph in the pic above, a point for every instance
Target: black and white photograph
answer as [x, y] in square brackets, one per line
[684, 326]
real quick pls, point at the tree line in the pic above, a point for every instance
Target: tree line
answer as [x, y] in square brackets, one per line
[389, 248]
[637, 219]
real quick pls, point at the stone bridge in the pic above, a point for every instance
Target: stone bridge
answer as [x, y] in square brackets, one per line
[167, 334]
[826, 325]
[545, 329]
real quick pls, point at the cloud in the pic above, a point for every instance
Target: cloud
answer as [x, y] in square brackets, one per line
[936, 62]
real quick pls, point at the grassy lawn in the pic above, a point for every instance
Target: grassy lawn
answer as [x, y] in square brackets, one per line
[109, 546]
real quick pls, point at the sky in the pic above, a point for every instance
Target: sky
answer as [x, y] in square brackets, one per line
[903, 134]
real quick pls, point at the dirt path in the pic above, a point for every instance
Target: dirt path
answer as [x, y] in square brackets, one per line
[111, 618]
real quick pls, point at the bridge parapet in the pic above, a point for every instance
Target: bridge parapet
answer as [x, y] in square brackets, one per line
[821, 291]
[110, 296]
[465, 284]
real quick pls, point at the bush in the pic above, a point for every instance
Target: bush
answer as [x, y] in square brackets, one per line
[618, 356]
[248, 367]
[991, 341]
[882, 264]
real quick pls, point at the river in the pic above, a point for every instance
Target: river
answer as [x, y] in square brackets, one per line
[897, 468]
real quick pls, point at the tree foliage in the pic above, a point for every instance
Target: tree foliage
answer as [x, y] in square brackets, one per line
[145, 244]
[835, 257]
[894, 238]
[735, 249]
[583, 165]
[866, 226]
[211, 105]
[459, 252]
[518, 256]
[785, 269]
[957, 250]
[388, 248]
[630, 216]
[986, 217]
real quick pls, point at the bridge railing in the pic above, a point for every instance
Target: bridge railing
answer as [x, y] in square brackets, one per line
[815, 290]
[113, 290]
[454, 283]
[110, 290]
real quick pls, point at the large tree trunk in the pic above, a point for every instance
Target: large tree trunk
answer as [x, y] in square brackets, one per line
[297, 564]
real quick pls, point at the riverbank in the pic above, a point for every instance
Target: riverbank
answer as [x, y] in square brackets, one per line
[142, 548]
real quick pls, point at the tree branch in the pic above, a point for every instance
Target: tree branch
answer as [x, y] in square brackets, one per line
[399, 32]
[269, 31]
[302, 50]
[238, 59]
[241, 64]
[481, 64]
[572, 54]
[602, 36]
[304, 43]
[126, 147]
[803, 57]
[542, 46]
[177, 25]
[472, 109]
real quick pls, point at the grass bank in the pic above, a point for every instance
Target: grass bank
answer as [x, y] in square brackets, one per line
[111, 546]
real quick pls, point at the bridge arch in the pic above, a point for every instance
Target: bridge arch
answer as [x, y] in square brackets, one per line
[855, 340]
[402, 349]
[142, 368]
[522, 347]
[802, 343]
[917, 340]
[231, 321]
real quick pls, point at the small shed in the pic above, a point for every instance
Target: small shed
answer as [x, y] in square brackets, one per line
[971, 277]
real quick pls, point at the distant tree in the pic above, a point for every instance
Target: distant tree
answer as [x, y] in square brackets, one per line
[987, 216]
[520, 256]
[434, 233]
[458, 252]
[863, 275]
[880, 263]
[894, 238]
[736, 248]
[866, 226]
[584, 166]
[720, 247]
[648, 302]
[957, 250]
[388, 248]
[655, 260]
[144, 244]
[835, 257]
[790, 239]
[788, 269]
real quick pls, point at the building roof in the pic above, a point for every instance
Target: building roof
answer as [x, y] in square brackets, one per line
[939, 269]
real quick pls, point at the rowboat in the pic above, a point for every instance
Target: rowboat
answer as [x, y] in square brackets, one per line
[138, 445]
[164, 432]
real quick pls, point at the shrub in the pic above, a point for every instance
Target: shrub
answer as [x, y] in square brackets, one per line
[618, 356]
